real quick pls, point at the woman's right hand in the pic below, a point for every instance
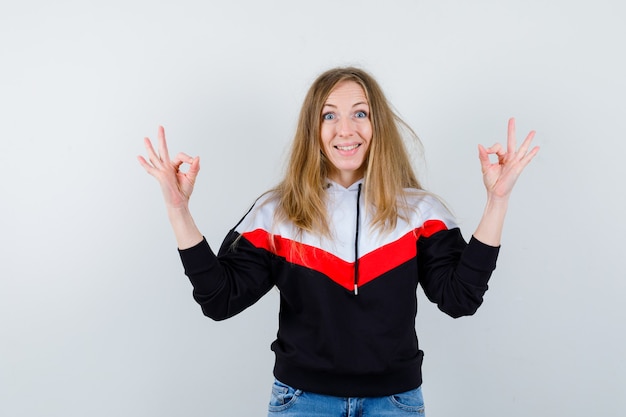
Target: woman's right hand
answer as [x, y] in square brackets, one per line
[176, 185]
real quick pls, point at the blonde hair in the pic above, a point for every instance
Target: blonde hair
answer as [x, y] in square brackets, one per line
[388, 169]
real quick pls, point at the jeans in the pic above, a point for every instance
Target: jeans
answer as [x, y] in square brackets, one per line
[290, 402]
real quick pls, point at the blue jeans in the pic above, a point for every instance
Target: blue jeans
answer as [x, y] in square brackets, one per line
[290, 402]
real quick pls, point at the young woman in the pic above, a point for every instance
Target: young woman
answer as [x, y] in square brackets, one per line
[346, 237]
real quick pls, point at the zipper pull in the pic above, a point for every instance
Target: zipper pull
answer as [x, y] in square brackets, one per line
[356, 289]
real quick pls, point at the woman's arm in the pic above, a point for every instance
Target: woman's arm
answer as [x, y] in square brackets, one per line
[499, 179]
[176, 186]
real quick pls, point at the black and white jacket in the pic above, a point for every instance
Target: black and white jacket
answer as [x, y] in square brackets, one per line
[347, 304]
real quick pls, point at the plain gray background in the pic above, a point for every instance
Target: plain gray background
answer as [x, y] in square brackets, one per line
[96, 317]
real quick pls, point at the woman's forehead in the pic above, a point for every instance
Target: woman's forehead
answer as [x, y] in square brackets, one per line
[347, 91]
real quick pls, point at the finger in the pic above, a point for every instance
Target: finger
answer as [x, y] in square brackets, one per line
[182, 158]
[526, 144]
[194, 168]
[483, 157]
[496, 149]
[163, 152]
[152, 155]
[510, 137]
[176, 165]
[529, 156]
[149, 168]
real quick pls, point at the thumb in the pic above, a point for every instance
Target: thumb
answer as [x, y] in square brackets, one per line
[194, 168]
[483, 156]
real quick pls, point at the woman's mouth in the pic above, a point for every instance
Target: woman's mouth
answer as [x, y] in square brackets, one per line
[348, 148]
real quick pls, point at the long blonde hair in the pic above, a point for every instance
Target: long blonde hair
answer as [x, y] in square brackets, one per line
[388, 172]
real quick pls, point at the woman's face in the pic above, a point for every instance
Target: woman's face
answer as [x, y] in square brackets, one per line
[346, 132]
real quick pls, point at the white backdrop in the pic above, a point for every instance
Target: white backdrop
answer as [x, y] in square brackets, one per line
[96, 317]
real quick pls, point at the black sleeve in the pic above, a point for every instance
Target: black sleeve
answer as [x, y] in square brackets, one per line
[454, 274]
[226, 284]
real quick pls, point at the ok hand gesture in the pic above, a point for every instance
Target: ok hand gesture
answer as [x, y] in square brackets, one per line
[176, 185]
[500, 177]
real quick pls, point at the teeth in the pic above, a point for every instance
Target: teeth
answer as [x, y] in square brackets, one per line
[347, 148]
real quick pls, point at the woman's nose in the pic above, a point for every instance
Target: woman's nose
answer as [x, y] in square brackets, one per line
[345, 127]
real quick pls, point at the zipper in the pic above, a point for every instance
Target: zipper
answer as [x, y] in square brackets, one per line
[356, 243]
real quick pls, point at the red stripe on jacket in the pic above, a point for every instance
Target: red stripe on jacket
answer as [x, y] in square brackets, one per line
[371, 266]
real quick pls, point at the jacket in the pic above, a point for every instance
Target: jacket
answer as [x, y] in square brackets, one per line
[347, 304]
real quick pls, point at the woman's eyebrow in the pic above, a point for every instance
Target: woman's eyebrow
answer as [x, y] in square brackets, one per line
[354, 105]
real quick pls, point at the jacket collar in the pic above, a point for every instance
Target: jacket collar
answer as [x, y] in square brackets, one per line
[332, 185]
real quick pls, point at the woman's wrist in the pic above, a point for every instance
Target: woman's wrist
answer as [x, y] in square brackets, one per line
[489, 230]
[185, 229]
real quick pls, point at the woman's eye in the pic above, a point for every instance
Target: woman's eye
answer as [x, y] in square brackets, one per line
[328, 116]
[360, 114]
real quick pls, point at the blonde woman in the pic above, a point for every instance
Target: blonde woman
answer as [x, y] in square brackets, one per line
[346, 237]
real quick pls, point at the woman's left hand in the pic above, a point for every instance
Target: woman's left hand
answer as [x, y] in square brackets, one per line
[500, 177]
